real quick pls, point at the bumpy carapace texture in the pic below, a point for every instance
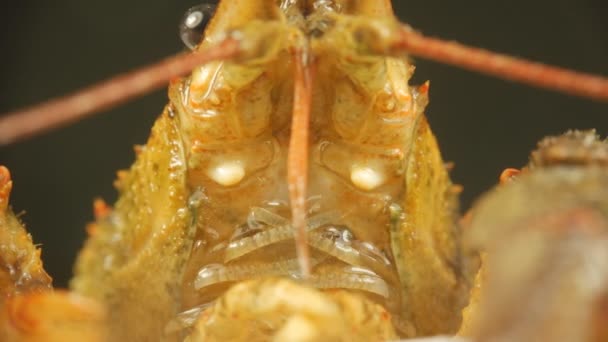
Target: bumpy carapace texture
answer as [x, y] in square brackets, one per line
[545, 274]
[206, 204]
[200, 245]
[29, 309]
[21, 270]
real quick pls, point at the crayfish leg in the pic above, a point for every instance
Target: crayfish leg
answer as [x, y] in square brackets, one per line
[29, 309]
[52, 316]
[21, 270]
[546, 239]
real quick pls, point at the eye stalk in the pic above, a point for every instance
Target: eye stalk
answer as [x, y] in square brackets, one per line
[193, 24]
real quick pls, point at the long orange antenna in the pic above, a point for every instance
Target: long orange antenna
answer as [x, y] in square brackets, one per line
[55, 113]
[502, 66]
[297, 158]
[30, 121]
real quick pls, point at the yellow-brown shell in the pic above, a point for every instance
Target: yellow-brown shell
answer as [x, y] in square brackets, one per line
[134, 259]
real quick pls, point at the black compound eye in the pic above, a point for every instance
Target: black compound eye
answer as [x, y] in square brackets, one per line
[193, 24]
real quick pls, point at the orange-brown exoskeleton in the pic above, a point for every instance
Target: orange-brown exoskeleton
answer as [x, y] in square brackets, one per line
[545, 237]
[214, 175]
[291, 190]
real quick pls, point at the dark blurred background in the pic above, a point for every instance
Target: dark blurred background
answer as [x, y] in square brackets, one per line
[49, 48]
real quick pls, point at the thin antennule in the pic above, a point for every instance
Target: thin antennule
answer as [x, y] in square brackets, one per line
[27, 122]
[503, 66]
[297, 159]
